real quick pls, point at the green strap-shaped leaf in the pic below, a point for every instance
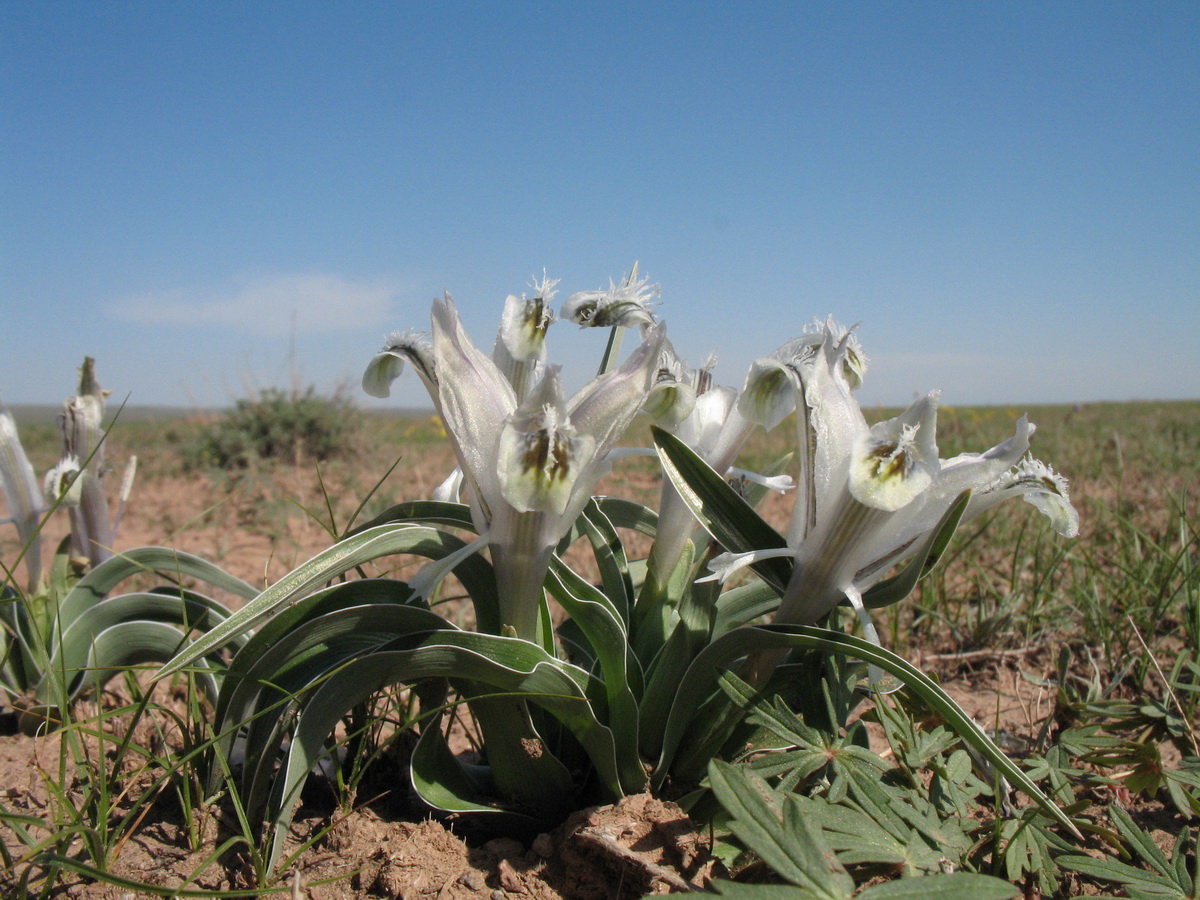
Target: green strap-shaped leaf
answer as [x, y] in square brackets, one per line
[742, 605]
[610, 559]
[264, 697]
[98, 583]
[447, 784]
[362, 592]
[629, 514]
[508, 665]
[522, 761]
[185, 611]
[22, 656]
[655, 615]
[730, 520]
[702, 675]
[374, 543]
[367, 591]
[257, 700]
[282, 638]
[599, 621]
[131, 643]
[422, 512]
[669, 667]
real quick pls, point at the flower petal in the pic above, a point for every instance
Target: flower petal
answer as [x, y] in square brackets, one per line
[702, 429]
[475, 401]
[626, 304]
[17, 478]
[606, 405]
[1041, 486]
[672, 394]
[450, 490]
[769, 394]
[540, 455]
[524, 324]
[724, 565]
[63, 484]
[835, 418]
[897, 459]
[386, 366]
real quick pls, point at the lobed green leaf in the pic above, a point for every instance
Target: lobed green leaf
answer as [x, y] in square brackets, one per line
[702, 676]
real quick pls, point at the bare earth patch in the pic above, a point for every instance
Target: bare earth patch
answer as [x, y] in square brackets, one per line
[640, 845]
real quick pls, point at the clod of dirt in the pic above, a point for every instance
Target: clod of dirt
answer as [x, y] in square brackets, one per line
[640, 845]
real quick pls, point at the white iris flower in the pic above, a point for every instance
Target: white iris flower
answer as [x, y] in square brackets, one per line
[867, 495]
[529, 457]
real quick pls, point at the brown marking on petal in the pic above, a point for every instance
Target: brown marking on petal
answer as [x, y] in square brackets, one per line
[1051, 485]
[890, 460]
[536, 318]
[549, 454]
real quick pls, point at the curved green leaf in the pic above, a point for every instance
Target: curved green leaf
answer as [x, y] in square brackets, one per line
[422, 512]
[599, 621]
[522, 760]
[20, 651]
[184, 611]
[447, 784]
[629, 514]
[742, 605]
[255, 698]
[610, 559]
[294, 630]
[669, 667]
[730, 520]
[130, 643]
[508, 665]
[380, 541]
[98, 583]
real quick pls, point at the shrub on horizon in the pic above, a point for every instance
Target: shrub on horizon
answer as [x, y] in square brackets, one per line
[277, 425]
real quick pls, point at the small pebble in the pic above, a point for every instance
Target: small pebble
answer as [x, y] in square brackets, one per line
[509, 879]
[471, 879]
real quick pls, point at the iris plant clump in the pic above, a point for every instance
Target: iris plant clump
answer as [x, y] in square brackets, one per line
[66, 630]
[631, 683]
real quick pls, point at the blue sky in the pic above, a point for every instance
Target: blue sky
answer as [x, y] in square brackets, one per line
[1006, 196]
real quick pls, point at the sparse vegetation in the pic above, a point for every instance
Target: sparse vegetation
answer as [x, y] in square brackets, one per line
[1084, 661]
